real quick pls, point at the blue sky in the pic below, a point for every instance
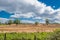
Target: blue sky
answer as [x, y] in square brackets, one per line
[55, 4]
[30, 10]
[5, 14]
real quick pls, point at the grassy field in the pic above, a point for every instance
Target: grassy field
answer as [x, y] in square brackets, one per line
[24, 36]
[28, 32]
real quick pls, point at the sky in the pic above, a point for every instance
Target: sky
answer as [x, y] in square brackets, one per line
[55, 4]
[30, 11]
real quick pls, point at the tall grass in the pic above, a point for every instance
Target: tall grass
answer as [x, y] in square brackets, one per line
[24, 36]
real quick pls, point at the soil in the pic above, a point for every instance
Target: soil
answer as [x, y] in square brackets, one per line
[29, 28]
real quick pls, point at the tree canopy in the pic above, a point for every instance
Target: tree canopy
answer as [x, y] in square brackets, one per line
[16, 21]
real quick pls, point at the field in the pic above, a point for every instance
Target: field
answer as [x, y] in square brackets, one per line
[29, 28]
[24, 36]
[28, 31]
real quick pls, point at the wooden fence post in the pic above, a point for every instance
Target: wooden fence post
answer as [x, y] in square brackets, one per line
[4, 36]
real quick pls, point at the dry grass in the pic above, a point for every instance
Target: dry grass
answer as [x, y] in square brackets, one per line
[29, 28]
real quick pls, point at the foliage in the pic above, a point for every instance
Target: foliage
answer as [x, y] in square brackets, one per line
[36, 23]
[17, 21]
[31, 36]
[47, 21]
[10, 22]
[54, 36]
[23, 36]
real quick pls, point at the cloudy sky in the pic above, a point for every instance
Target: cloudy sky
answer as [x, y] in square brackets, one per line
[30, 10]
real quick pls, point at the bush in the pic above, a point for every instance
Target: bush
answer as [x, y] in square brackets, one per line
[54, 36]
[36, 23]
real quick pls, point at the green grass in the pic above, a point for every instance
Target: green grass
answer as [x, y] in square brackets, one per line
[10, 36]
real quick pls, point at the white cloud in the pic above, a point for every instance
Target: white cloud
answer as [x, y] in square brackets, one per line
[25, 15]
[29, 8]
[3, 20]
[37, 18]
[27, 21]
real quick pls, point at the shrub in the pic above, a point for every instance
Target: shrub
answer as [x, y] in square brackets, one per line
[54, 36]
[36, 23]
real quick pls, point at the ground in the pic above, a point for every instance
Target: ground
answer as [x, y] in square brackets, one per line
[29, 28]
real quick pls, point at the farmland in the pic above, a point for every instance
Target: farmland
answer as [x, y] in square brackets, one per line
[29, 28]
[27, 31]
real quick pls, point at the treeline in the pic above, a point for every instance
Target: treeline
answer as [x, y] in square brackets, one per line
[17, 21]
[9, 22]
